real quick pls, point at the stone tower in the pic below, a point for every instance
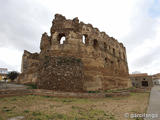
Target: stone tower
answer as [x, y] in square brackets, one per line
[76, 57]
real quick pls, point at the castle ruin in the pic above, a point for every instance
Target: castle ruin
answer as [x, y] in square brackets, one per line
[76, 57]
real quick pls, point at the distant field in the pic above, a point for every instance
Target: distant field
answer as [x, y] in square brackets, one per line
[50, 108]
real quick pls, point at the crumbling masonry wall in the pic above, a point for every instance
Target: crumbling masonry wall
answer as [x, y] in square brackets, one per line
[61, 73]
[29, 67]
[103, 61]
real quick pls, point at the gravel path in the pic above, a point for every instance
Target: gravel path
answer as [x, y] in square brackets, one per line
[12, 86]
[154, 103]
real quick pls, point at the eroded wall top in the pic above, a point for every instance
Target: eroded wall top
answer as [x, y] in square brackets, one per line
[74, 31]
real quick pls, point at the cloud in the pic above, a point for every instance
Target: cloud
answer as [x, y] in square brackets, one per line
[154, 10]
[145, 56]
[147, 59]
[136, 23]
[22, 24]
[10, 58]
[142, 26]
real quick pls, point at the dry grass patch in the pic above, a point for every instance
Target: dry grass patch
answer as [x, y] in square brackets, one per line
[51, 108]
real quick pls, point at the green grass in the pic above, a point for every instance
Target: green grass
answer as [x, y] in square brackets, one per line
[93, 91]
[26, 111]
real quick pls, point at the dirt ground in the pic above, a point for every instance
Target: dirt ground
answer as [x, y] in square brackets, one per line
[51, 108]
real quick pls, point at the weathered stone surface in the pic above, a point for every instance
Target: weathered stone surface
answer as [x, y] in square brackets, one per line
[103, 62]
[61, 73]
[30, 65]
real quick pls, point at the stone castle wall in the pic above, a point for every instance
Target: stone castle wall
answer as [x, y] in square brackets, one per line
[61, 73]
[103, 61]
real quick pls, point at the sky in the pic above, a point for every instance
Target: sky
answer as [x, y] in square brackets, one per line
[135, 23]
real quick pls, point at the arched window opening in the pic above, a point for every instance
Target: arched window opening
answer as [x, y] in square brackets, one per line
[112, 62]
[85, 39]
[105, 47]
[95, 43]
[118, 62]
[114, 53]
[106, 60]
[61, 38]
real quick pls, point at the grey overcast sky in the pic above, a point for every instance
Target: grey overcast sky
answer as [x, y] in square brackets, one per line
[135, 23]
